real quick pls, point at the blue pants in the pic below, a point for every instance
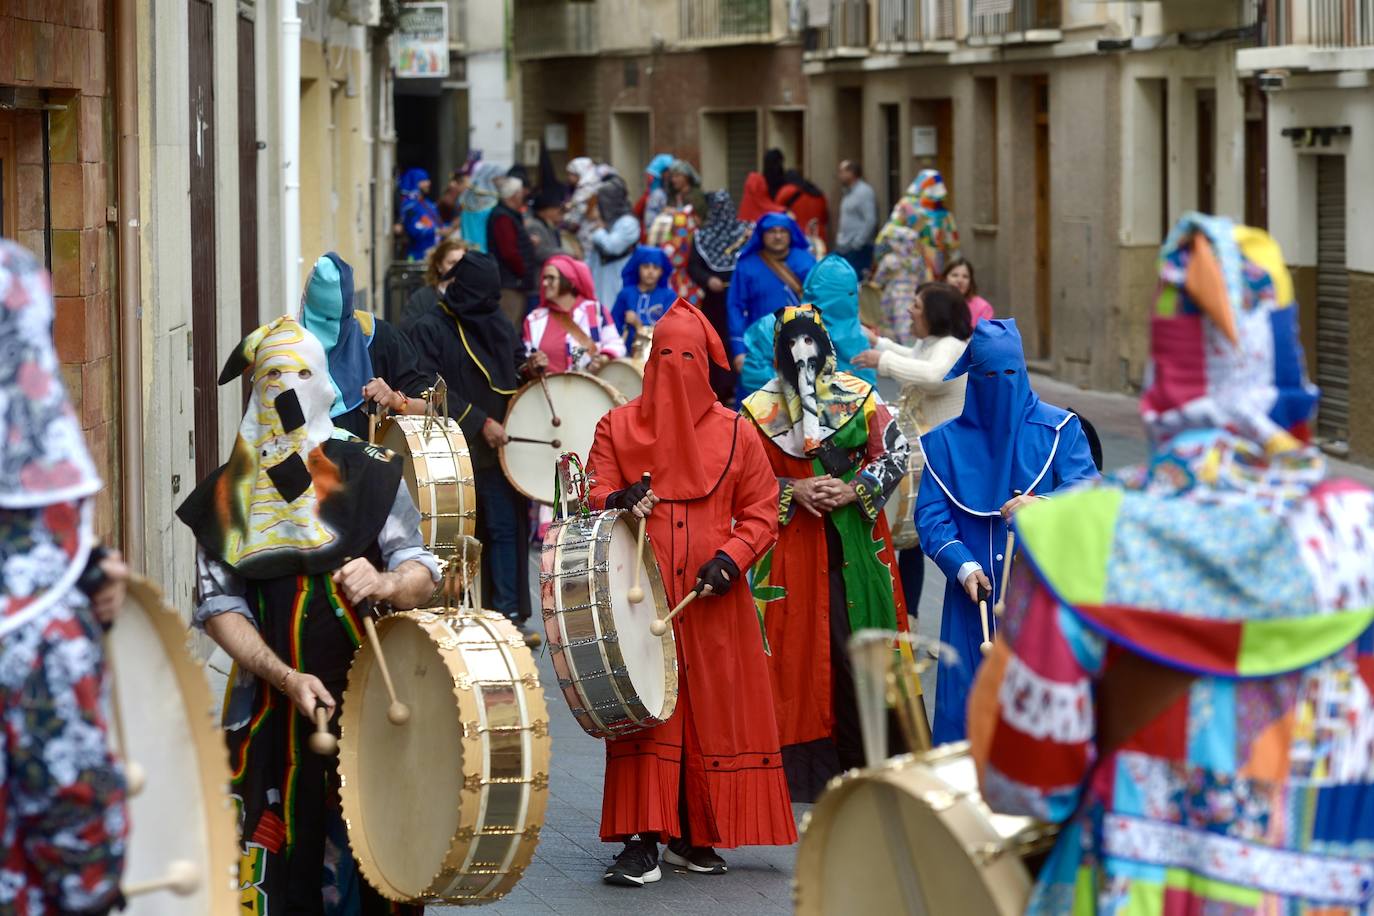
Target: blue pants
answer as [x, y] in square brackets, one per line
[498, 507]
[861, 259]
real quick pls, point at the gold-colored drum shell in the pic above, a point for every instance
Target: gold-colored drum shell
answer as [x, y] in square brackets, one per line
[438, 471]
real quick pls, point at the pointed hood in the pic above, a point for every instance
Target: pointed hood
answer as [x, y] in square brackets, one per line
[660, 432]
[327, 312]
[833, 287]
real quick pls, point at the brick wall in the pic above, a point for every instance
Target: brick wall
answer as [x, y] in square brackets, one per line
[61, 47]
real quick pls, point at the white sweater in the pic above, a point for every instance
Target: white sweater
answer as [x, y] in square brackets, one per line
[927, 399]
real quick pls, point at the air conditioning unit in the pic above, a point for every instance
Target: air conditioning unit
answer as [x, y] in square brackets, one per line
[357, 12]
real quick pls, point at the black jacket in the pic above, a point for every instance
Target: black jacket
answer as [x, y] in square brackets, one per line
[481, 363]
[393, 361]
[510, 279]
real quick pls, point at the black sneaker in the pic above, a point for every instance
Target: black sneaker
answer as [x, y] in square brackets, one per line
[699, 859]
[636, 866]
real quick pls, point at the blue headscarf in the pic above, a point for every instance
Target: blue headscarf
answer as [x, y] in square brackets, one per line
[656, 167]
[646, 254]
[1005, 438]
[410, 182]
[773, 221]
[327, 313]
[419, 216]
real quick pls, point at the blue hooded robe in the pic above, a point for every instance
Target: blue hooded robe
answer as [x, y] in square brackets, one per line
[832, 286]
[419, 216]
[755, 291]
[1006, 439]
[649, 306]
[327, 313]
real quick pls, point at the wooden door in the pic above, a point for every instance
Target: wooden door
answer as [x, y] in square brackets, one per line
[892, 150]
[248, 183]
[204, 343]
[1044, 336]
[939, 114]
[9, 201]
[1256, 156]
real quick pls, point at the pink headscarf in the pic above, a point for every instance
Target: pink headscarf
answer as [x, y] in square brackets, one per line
[576, 272]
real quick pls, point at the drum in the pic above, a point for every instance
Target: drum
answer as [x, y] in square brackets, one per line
[438, 472]
[447, 807]
[900, 509]
[580, 401]
[617, 677]
[626, 376]
[914, 837]
[181, 819]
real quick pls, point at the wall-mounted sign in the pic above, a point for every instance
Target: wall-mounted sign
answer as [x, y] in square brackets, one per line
[925, 141]
[556, 137]
[422, 40]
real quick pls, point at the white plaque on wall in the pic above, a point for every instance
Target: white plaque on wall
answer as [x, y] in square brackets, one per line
[925, 141]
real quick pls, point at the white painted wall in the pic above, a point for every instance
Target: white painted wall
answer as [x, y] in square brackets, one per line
[491, 110]
[1292, 172]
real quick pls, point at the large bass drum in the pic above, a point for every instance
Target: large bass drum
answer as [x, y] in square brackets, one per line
[911, 838]
[447, 807]
[626, 375]
[438, 471]
[579, 401]
[617, 677]
[180, 815]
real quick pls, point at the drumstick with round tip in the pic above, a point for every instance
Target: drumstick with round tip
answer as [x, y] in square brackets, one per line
[1000, 605]
[182, 878]
[660, 627]
[986, 645]
[323, 742]
[556, 443]
[544, 384]
[636, 593]
[397, 713]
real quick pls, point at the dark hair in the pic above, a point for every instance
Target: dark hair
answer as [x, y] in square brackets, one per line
[773, 171]
[852, 167]
[946, 310]
[972, 279]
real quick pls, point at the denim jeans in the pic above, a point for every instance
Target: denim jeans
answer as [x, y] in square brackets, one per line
[498, 506]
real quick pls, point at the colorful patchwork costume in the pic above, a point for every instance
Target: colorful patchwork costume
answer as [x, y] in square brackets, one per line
[829, 575]
[62, 815]
[1184, 679]
[294, 503]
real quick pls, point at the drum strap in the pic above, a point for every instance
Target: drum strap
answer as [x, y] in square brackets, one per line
[575, 329]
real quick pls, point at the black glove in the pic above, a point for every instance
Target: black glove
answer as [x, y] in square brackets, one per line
[719, 572]
[627, 498]
[93, 578]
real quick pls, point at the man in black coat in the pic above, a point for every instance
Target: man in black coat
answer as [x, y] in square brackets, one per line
[469, 342]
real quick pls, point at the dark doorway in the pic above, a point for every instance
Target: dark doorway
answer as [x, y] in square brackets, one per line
[1041, 93]
[248, 183]
[937, 114]
[1256, 156]
[892, 152]
[204, 344]
[1206, 150]
[1333, 303]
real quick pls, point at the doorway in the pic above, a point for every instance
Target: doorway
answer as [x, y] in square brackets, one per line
[1040, 92]
[1333, 303]
[786, 131]
[204, 332]
[9, 197]
[892, 152]
[1206, 150]
[1256, 156]
[630, 132]
[936, 115]
[248, 181]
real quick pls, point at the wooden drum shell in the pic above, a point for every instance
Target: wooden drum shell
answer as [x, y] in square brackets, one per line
[478, 761]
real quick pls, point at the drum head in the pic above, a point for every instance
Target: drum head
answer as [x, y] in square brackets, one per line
[646, 655]
[581, 401]
[625, 376]
[409, 777]
[162, 722]
[899, 840]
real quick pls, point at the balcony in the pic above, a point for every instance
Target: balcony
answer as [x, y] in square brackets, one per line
[1312, 35]
[1014, 22]
[913, 26]
[554, 28]
[844, 34]
[725, 21]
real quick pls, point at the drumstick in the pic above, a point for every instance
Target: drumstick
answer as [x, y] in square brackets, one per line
[636, 593]
[983, 614]
[182, 878]
[660, 627]
[397, 713]
[543, 383]
[323, 741]
[1000, 605]
[556, 443]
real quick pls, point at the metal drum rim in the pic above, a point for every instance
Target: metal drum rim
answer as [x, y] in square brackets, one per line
[616, 401]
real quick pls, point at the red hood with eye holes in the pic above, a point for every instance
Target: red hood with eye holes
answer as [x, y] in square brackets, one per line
[670, 430]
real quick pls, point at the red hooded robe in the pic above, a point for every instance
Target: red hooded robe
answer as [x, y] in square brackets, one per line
[717, 493]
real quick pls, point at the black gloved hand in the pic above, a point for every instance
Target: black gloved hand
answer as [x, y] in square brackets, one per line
[627, 498]
[719, 572]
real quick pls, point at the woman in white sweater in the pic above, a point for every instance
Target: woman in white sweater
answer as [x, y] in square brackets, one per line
[942, 325]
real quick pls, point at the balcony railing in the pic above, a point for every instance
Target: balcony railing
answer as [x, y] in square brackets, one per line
[555, 28]
[847, 30]
[1017, 22]
[1319, 23]
[914, 21]
[724, 20]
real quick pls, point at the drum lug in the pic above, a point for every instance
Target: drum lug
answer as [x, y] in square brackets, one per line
[987, 853]
[531, 681]
[472, 782]
[531, 834]
[939, 800]
[463, 681]
[539, 728]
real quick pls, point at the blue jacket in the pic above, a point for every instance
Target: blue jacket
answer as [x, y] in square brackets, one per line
[755, 291]
[649, 306]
